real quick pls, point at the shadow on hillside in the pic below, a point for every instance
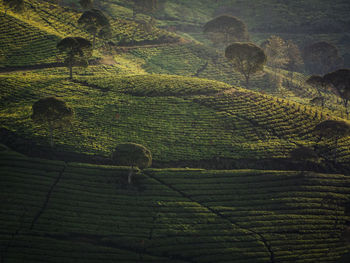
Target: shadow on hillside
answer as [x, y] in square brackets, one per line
[31, 148]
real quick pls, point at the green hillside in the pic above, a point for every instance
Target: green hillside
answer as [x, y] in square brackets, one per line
[225, 185]
[179, 119]
[31, 38]
[168, 215]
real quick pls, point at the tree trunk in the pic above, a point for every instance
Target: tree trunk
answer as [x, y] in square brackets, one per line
[247, 82]
[70, 67]
[335, 150]
[51, 136]
[346, 102]
[70, 72]
[130, 175]
[93, 41]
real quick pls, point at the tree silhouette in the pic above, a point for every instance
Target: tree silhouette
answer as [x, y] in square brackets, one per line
[132, 154]
[321, 57]
[225, 30]
[246, 58]
[333, 129]
[340, 80]
[303, 153]
[144, 6]
[275, 49]
[295, 61]
[94, 21]
[17, 6]
[77, 52]
[52, 112]
[86, 4]
[320, 85]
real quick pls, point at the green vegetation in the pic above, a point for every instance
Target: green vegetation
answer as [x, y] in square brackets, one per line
[177, 121]
[53, 113]
[77, 52]
[226, 30]
[132, 154]
[246, 58]
[150, 91]
[170, 216]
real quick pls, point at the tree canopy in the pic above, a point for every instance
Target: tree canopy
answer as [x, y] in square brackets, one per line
[320, 85]
[225, 30]
[321, 57]
[94, 21]
[86, 4]
[333, 128]
[16, 5]
[340, 80]
[145, 6]
[77, 52]
[52, 112]
[276, 51]
[246, 58]
[132, 154]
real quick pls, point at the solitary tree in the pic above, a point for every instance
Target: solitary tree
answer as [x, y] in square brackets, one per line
[86, 4]
[321, 57]
[295, 60]
[52, 112]
[225, 30]
[77, 51]
[17, 6]
[94, 21]
[303, 153]
[144, 6]
[333, 129]
[276, 52]
[340, 80]
[246, 58]
[132, 154]
[320, 85]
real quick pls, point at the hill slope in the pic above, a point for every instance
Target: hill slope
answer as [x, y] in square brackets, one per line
[168, 215]
[180, 119]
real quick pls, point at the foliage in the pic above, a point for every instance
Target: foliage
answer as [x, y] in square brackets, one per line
[174, 213]
[17, 6]
[144, 6]
[321, 57]
[155, 85]
[77, 52]
[333, 128]
[194, 125]
[293, 54]
[226, 29]
[340, 80]
[52, 112]
[86, 4]
[304, 154]
[246, 58]
[132, 154]
[95, 22]
[319, 83]
[276, 50]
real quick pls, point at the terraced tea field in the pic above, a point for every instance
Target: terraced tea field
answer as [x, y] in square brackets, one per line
[30, 38]
[168, 215]
[182, 100]
[180, 119]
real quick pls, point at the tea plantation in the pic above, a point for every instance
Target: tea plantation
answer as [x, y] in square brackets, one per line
[54, 211]
[177, 118]
[225, 184]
